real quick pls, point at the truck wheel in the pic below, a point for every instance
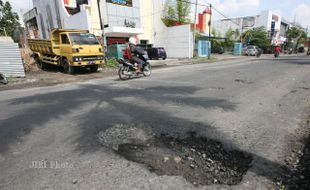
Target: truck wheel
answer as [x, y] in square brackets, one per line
[67, 68]
[40, 64]
[94, 68]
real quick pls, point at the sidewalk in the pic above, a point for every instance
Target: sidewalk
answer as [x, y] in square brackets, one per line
[176, 62]
[214, 58]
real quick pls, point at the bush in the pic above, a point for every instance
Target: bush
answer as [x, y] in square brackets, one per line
[112, 63]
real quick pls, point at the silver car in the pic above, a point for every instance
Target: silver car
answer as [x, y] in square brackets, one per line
[251, 50]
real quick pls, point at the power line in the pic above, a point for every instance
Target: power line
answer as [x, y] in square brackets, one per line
[226, 17]
[193, 3]
[223, 15]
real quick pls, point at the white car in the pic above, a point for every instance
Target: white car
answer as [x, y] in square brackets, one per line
[251, 50]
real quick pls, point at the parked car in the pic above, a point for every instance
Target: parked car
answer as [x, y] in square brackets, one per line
[217, 49]
[301, 50]
[157, 53]
[250, 50]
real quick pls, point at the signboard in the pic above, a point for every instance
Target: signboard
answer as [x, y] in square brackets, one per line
[70, 3]
[129, 24]
[127, 3]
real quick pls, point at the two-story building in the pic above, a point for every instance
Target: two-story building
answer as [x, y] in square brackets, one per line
[271, 21]
[121, 18]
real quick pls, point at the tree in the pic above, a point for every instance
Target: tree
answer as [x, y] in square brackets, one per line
[176, 11]
[169, 13]
[183, 9]
[229, 41]
[8, 19]
[296, 36]
[257, 37]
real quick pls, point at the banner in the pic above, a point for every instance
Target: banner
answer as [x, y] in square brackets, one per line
[127, 3]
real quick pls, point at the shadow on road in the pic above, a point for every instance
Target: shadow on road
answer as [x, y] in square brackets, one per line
[125, 106]
[298, 61]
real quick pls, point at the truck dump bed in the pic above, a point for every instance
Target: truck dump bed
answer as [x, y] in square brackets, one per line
[40, 46]
[50, 46]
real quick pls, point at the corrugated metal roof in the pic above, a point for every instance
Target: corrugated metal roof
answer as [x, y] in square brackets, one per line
[11, 64]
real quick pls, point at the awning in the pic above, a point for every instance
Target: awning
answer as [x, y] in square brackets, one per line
[116, 31]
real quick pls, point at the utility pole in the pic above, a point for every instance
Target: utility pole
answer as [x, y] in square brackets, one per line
[209, 23]
[102, 27]
[195, 19]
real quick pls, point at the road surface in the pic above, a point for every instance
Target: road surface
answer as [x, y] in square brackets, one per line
[58, 137]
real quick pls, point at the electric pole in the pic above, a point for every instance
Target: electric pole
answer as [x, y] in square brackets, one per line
[209, 23]
[195, 19]
[102, 27]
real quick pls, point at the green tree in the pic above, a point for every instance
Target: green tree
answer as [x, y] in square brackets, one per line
[296, 36]
[169, 17]
[257, 37]
[183, 9]
[176, 11]
[230, 38]
[8, 19]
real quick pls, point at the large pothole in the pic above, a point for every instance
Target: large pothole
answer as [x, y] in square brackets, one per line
[199, 160]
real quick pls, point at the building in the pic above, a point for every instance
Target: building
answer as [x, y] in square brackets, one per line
[123, 20]
[68, 14]
[271, 21]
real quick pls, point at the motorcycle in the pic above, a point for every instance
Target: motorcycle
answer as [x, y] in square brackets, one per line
[308, 52]
[3, 79]
[128, 69]
[259, 52]
[276, 54]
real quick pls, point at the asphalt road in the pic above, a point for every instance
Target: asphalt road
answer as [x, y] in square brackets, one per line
[254, 106]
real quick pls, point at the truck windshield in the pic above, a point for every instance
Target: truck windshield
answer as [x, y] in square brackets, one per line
[83, 39]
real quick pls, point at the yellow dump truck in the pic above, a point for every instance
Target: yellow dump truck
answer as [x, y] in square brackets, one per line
[68, 49]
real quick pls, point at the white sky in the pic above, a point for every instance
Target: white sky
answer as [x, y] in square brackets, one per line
[300, 9]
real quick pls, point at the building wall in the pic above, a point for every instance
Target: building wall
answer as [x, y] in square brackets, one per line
[264, 19]
[147, 17]
[53, 14]
[123, 21]
[177, 41]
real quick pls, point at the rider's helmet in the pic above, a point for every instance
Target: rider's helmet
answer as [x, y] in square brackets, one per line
[133, 40]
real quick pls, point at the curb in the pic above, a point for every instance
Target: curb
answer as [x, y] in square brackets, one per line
[191, 62]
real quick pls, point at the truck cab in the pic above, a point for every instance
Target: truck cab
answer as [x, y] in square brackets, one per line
[81, 49]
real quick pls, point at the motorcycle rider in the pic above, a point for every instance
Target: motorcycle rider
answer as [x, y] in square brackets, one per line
[135, 52]
[277, 51]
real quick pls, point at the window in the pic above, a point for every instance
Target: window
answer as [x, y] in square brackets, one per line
[64, 39]
[83, 39]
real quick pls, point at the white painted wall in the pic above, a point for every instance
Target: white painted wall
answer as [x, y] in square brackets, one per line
[47, 19]
[177, 41]
[80, 21]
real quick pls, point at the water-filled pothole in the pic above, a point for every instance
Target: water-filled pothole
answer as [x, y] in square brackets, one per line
[197, 159]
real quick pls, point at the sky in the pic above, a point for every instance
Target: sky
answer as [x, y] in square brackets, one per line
[288, 9]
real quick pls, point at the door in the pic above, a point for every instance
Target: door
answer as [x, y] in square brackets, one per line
[65, 47]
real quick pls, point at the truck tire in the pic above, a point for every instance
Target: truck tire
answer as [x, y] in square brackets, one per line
[40, 64]
[94, 68]
[67, 68]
